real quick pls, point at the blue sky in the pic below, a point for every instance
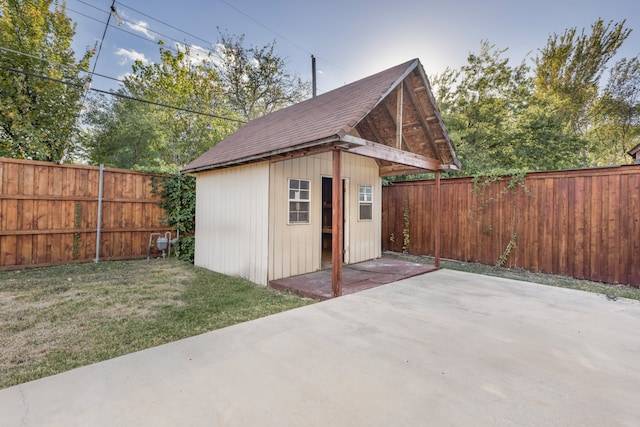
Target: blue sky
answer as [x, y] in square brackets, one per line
[350, 39]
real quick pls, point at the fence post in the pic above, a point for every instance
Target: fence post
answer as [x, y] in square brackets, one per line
[99, 225]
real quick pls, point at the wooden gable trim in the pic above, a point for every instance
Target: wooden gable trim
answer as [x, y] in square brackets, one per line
[394, 86]
[382, 152]
[422, 116]
[435, 117]
[398, 120]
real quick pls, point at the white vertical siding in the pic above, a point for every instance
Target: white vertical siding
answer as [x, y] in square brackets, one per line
[365, 239]
[296, 249]
[232, 208]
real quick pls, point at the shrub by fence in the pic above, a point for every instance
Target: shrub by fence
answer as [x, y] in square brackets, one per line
[49, 213]
[579, 223]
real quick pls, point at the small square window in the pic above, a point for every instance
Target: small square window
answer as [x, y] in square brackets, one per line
[365, 203]
[299, 201]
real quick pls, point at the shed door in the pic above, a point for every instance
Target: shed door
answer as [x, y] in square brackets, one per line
[327, 234]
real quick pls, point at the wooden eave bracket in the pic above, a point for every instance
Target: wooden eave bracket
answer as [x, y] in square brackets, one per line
[449, 168]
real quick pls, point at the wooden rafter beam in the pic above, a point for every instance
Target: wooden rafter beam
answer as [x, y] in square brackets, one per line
[390, 154]
[421, 114]
[393, 170]
[374, 131]
[399, 137]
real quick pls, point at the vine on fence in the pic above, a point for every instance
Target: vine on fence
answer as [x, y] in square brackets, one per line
[406, 238]
[513, 243]
[516, 181]
[178, 194]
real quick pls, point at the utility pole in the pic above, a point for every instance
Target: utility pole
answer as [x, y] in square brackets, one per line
[313, 76]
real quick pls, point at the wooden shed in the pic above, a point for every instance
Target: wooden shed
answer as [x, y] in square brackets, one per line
[299, 189]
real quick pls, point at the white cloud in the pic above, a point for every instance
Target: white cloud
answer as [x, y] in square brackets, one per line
[197, 54]
[130, 55]
[123, 77]
[219, 54]
[141, 27]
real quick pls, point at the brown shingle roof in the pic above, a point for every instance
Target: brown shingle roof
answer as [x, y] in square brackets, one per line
[316, 120]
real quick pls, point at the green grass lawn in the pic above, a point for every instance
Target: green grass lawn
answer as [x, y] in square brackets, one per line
[59, 318]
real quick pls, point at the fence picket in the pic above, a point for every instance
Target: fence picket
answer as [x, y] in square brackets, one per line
[38, 202]
[581, 223]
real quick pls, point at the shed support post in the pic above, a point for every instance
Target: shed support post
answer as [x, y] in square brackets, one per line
[437, 221]
[336, 225]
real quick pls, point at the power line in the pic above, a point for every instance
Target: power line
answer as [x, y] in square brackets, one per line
[71, 67]
[245, 14]
[121, 95]
[281, 36]
[50, 62]
[122, 29]
[85, 15]
[91, 5]
[133, 24]
[163, 23]
[159, 104]
[164, 35]
[104, 33]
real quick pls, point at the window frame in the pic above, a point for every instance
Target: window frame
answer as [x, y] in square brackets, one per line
[365, 202]
[298, 199]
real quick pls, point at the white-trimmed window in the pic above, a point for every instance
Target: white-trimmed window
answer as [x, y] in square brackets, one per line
[365, 203]
[299, 201]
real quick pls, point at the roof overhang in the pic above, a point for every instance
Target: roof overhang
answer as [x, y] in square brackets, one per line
[403, 161]
[266, 156]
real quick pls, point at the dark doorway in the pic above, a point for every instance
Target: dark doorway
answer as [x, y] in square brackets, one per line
[327, 215]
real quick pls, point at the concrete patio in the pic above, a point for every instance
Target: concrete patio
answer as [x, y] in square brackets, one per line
[444, 348]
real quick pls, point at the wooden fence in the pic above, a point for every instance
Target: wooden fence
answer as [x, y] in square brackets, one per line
[49, 214]
[579, 223]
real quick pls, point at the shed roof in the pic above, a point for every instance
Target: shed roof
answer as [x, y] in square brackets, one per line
[360, 117]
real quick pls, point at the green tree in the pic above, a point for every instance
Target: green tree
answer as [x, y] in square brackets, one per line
[129, 134]
[497, 121]
[616, 123]
[569, 68]
[125, 133]
[38, 116]
[234, 85]
[255, 80]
